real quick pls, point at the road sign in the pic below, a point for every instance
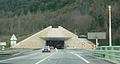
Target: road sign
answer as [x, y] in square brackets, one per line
[2, 43]
[82, 36]
[98, 35]
[13, 37]
[13, 40]
[83, 45]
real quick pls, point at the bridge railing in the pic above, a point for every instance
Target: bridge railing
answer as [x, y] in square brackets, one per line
[108, 52]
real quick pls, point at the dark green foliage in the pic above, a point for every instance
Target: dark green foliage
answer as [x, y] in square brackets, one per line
[10, 8]
[117, 41]
[80, 16]
[116, 23]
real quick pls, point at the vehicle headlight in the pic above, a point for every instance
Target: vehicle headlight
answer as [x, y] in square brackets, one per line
[48, 49]
[42, 49]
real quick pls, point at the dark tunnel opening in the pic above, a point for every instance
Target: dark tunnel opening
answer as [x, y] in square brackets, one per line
[55, 43]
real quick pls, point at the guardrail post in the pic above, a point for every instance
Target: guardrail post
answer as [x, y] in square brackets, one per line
[106, 53]
[100, 48]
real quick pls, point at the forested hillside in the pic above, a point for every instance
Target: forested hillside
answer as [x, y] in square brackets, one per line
[24, 17]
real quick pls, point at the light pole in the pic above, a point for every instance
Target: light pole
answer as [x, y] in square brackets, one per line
[110, 35]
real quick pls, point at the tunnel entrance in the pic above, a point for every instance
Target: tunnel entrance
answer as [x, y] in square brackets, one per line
[55, 43]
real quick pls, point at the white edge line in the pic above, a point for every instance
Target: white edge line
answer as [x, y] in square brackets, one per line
[44, 59]
[80, 57]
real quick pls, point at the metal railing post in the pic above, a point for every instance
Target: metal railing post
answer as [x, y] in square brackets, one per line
[106, 53]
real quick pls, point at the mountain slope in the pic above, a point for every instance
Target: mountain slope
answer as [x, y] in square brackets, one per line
[24, 17]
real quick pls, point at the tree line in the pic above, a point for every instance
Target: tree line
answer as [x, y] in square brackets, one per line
[24, 17]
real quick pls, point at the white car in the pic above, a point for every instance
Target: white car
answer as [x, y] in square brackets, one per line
[46, 49]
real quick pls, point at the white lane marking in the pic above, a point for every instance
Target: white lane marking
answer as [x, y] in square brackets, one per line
[80, 57]
[44, 58]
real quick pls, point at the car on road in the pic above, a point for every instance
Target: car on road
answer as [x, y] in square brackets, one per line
[46, 49]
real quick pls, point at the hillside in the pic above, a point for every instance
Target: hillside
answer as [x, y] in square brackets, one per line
[24, 17]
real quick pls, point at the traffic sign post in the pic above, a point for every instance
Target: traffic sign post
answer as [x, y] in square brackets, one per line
[97, 43]
[13, 40]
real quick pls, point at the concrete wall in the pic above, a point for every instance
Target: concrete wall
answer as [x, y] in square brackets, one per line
[34, 41]
[74, 41]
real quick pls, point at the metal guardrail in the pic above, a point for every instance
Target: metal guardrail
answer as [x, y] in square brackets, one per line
[7, 52]
[108, 52]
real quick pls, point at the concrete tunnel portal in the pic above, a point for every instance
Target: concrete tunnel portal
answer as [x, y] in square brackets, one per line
[57, 37]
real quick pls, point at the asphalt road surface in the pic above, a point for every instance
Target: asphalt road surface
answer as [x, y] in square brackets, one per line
[60, 56]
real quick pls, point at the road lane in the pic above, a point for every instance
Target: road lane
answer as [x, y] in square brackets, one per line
[26, 59]
[88, 56]
[44, 58]
[61, 56]
[79, 57]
